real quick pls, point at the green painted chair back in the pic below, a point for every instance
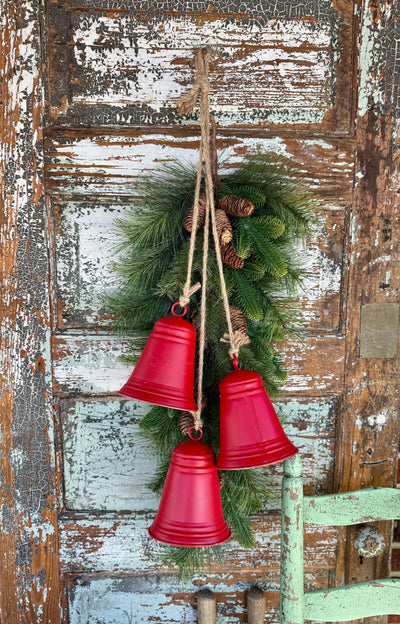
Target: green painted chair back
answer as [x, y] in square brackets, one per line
[349, 602]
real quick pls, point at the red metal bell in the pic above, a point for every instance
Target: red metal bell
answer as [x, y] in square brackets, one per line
[164, 374]
[250, 432]
[190, 510]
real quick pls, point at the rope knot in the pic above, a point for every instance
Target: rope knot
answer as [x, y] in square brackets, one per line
[237, 339]
[188, 291]
[187, 102]
[197, 420]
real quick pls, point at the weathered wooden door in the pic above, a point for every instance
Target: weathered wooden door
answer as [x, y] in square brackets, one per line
[87, 104]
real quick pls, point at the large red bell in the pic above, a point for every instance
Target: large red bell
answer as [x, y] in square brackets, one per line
[250, 432]
[190, 510]
[164, 374]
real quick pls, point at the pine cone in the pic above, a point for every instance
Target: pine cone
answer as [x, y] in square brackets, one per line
[230, 257]
[186, 421]
[238, 320]
[236, 206]
[221, 479]
[188, 223]
[224, 226]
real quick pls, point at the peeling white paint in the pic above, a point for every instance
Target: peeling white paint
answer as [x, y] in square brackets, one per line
[290, 65]
[354, 229]
[110, 164]
[371, 91]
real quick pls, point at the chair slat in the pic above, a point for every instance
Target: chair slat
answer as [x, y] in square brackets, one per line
[347, 508]
[351, 602]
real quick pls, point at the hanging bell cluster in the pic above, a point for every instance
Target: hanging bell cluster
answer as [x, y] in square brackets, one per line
[190, 510]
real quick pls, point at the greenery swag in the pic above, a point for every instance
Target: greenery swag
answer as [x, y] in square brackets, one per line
[152, 269]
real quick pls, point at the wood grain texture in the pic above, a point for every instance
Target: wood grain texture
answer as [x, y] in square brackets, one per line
[85, 249]
[368, 432]
[89, 364]
[268, 66]
[28, 540]
[107, 464]
[119, 543]
[108, 163]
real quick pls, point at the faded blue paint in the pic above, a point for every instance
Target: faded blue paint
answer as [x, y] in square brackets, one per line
[107, 462]
[120, 543]
[137, 600]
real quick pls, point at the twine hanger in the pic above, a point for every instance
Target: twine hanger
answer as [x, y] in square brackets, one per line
[185, 105]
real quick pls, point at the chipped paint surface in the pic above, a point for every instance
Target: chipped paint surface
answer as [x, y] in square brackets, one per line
[108, 464]
[288, 67]
[134, 601]
[128, 67]
[89, 364]
[125, 600]
[28, 544]
[351, 603]
[120, 543]
[99, 163]
[359, 506]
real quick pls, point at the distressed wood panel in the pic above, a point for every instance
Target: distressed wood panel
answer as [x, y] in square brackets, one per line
[89, 364]
[108, 464]
[95, 162]
[139, 599]
[29, 570]
[130, 67]
[368, 427]
[315, 364]
[120, 543]
[85, 248]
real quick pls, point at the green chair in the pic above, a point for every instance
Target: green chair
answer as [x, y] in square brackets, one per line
[349, 602]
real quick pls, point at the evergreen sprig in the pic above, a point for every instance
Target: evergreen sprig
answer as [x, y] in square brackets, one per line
[152, 270]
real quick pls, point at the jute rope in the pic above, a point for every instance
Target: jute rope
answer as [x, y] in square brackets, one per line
[185, 105]
[189, 290]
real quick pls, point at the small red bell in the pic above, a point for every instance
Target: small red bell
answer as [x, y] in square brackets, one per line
[164, 374]
[190, 510]
[250, 432]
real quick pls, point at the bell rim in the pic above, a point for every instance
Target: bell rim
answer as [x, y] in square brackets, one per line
[148, 396]
[225, 465]
[200, 542]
